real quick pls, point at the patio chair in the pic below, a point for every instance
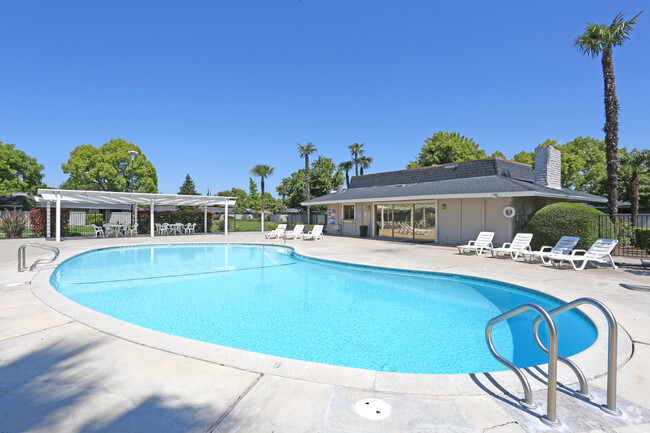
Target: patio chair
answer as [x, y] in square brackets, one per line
[190, 228]
[293, 234]
[99, 231]
[160, 230]
[599, 252]
[277, 232]
[314, 234]
[564, 246]
[483, 242]
[519, 244]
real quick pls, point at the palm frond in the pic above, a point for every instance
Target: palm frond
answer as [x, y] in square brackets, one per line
[619, 29]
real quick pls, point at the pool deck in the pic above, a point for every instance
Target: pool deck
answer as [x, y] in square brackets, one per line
[64, 368]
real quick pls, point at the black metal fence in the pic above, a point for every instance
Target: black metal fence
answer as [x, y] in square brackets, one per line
[633, 239]
[248, 222]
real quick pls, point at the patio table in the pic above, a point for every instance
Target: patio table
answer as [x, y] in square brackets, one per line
[110, 228]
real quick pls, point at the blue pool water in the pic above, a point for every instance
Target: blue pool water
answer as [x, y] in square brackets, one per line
[272, 301]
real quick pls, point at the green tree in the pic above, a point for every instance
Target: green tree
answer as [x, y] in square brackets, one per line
[263, 171]
[346, 166]
[498, 154]
[108, 168]
[18, 171]
[304, 152]
[325, 178]
[242, 198]
[636, 180]
[356, 150]
[188, 188]
[253, 201]
[600, 39]
[445, 148]
[525, 158]
[364, 163]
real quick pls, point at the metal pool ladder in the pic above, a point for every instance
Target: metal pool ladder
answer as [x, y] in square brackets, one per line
[21, 255]
[553, 357]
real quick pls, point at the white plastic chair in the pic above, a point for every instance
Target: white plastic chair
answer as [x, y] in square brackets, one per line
[483, 242]
[599, 252]
[519, 244]
[277, 232]
[99, 232]
[315, 233]
[564, 246]
[293, 234]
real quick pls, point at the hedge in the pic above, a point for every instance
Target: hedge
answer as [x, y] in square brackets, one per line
[642, 237]
[552, 222]
[38, 219]
[172, 217]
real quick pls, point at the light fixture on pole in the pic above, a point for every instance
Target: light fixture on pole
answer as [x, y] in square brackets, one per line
[132, 154]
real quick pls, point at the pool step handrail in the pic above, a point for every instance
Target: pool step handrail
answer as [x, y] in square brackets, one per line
[610, 408]
[21, 255]
[551, 394]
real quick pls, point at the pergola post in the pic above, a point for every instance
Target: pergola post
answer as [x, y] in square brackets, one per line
[58, 217]
[48, 214]
[225, 227]
[205, 218]
[151, 220]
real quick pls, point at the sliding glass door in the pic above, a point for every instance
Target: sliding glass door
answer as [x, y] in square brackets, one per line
[406, 221]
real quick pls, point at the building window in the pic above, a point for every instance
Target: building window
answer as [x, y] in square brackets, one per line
[348, 212]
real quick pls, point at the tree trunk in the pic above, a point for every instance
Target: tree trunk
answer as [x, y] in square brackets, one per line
[611, 134]
[634, 198]
[262, 184]
[307, 192]
[347, 179]
[356, 164]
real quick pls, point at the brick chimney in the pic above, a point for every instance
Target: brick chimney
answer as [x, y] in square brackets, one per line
[548, 167]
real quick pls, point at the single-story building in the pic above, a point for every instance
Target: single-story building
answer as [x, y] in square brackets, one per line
[449, 203]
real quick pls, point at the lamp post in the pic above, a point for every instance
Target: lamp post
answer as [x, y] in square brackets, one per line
[132, 154]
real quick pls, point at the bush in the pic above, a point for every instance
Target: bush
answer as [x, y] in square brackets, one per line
[13, 224]
[642, 237]
[38, 218]
[552, 222]
[172, 217]
[94, 218]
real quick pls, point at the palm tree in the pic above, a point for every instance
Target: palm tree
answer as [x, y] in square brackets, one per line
[305, 151]
[346, 166]
[364, 163]
[263, 171]
[596, 40]
[636, 159]
[356, 151]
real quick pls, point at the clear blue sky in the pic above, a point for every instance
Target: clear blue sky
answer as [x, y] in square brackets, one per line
[212, 88]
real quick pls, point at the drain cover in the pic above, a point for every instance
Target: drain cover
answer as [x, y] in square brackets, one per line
[373, 409]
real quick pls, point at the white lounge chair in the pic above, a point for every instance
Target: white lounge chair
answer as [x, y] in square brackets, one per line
[564, 246]
[99, 232]
[315, 233]
[599, 252]
[293, 234]
[519, 244]
[483, 242]
[277, 232]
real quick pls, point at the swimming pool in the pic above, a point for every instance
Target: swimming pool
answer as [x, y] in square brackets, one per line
[270, 300]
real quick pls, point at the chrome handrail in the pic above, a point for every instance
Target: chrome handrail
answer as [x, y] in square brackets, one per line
[21, 255]
[610, 408]
[551, 416]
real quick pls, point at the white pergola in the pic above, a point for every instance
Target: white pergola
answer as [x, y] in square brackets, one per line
[72, 197]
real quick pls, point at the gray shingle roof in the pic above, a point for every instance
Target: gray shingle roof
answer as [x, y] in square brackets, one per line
[482, 177]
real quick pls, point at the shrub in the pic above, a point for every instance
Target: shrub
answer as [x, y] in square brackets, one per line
[171, 217]
[94, 218]
[38, 218]
[552, 222]
[13, 223]
[642, 237]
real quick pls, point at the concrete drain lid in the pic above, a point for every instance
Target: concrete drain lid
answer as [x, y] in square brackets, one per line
[373, 409]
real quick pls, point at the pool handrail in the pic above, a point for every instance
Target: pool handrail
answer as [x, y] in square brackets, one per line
[21, 255]
[612, 344]
[528, 403]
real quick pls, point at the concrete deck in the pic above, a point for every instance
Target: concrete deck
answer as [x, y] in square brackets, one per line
[64, 368]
